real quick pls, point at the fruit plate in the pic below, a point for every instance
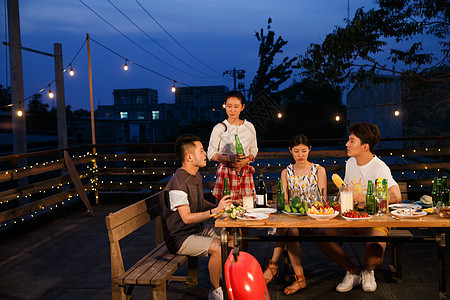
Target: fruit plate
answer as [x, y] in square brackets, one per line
[356, 219]
[293, 214]
[323, 217]
[262, 210]
[253, 216]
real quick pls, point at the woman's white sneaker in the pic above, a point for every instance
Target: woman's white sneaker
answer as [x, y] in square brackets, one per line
[216, 294]
[350, 281]
[368, 281]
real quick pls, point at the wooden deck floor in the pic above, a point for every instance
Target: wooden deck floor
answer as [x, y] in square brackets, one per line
[69, 259]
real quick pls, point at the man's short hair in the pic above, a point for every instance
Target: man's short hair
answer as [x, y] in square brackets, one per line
[368, 133]
[184, 144]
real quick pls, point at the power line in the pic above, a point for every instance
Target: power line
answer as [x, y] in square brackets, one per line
[156, 42]
[135, 43]
[47, 85]
[156, 21]
[135, 63]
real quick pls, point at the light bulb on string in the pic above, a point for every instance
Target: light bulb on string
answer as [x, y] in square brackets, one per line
[279, 115]
[50, 93]
[337, 118]
[396, 112]
[19, 112]
[173, 87]
[125, 67]
[71, 72]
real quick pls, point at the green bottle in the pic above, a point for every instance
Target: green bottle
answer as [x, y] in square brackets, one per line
[439, 195]
[445, 191]
[239, 148]
[433, 192]
[371, 206]
[280, 196]
[226, 189]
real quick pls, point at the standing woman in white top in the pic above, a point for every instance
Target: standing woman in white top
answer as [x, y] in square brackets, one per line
[222, 148]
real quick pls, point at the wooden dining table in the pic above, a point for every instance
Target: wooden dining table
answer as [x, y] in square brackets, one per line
[282, 220]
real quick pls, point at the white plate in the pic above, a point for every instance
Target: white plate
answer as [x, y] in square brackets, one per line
[262, 210]
[402, 215]
[356, 219]
[293, 214]
[405, 205]
[323, 217]
[253, 216]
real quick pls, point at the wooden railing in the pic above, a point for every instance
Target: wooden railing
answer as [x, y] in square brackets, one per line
[42, 182]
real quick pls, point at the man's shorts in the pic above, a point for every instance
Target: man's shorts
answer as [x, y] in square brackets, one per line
[198, 244]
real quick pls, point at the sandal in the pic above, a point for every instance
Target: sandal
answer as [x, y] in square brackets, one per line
[273, 268]
[299, 283]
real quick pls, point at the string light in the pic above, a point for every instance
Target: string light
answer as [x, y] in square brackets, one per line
[337, 118]
[125, 67]
[19, 112]
[173, 87]
[396, 112]
[71, 72]
[279, 115]
[50, 93]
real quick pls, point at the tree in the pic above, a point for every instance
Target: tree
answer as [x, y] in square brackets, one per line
[36, 106]
[270, 76]
[5, 96]
[352, 53]
[310, 107]
[79, 113]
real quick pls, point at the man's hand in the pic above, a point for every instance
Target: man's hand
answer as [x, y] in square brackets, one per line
[224, 202]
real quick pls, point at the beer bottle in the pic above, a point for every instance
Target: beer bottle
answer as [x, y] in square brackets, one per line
[438, 192]
[239, 148]
[433, 192]
[280, 196]
[226, 190]
[386, 193]
[371, 205]
[445, 191]
[261, 192]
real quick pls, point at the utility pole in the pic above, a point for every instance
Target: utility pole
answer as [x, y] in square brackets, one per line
[91, 92]
[236, 74]
[15, 62]
[60, 97]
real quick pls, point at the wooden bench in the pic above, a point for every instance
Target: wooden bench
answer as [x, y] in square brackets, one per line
[156, 268]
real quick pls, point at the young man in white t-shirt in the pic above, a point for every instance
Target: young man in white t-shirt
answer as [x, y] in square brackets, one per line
[362, 166]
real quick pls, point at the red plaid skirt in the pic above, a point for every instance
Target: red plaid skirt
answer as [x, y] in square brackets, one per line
[240, 184]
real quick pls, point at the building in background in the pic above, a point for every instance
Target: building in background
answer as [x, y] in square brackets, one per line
[200, 103]
[424, 114]
[137, 116]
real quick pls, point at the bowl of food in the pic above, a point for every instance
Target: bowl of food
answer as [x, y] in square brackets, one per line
[443, 211]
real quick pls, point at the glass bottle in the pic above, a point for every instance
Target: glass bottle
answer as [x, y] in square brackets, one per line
[438, 192]
[280, 196]
[261, 193]
[433, 192]
[239, 148]
[226, 190]
[371, 205]
[445, 191]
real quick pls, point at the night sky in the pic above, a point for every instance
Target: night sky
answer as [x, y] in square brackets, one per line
[221, 34]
